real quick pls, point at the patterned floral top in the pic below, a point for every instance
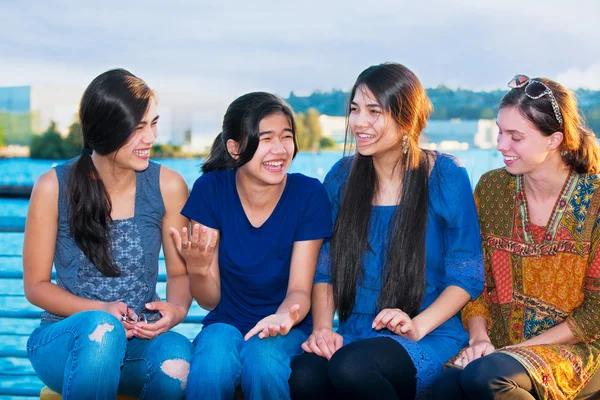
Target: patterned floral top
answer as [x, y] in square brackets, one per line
[538, 277]
[135, 241]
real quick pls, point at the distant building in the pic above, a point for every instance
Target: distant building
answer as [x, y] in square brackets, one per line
[206, 125]
[333, 127]
[487, 132]
[457, 134]
[452, 134]
[15, 99]
[39, 105]
[30, 109]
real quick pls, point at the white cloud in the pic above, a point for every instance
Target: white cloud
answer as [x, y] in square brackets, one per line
[575, 78]
[222, 49]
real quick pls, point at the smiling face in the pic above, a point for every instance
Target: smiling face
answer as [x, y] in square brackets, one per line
[274, 153]
[373, 128]
[135, 153]
[524, 148]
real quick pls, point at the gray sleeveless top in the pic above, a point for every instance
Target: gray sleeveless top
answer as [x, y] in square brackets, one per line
[135, 241]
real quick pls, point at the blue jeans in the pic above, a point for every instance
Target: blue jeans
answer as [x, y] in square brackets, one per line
[87, 356]
[223, 360]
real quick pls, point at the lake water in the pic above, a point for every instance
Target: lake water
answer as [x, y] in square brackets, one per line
[25, 171]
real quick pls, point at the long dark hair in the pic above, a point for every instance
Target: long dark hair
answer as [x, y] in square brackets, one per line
[579, 149]
[240, 124]
[111, 108]
[402, 96]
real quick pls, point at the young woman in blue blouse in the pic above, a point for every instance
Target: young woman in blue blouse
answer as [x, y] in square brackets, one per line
[404, 258]
[253, 253]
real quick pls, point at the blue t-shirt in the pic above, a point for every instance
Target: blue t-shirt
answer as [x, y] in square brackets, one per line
[254, 263]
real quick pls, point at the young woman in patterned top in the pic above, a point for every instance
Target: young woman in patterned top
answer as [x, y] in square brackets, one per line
[533, 333]
[102, 218]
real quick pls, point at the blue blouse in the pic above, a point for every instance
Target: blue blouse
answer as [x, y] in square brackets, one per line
[453, 257]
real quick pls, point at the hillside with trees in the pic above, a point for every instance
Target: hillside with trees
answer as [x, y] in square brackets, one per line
[448, 104]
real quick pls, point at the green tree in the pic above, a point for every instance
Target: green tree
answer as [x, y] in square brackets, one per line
[166, 151]
[487, 113]
[301, 133]
[16, 127]
[1, 137]
[73, 143]
[308, 130]
[49, 145]
[326, 143]
[313, 129]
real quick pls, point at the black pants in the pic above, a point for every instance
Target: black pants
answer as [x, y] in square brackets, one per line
[496, 376]
[377, 368]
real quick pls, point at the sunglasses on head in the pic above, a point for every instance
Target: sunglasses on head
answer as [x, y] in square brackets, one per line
[535, 89]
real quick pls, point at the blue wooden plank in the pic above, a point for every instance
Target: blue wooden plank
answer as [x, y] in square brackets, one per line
[18, 326]
[20, 385]
[11, 243]
[16, 366]
[16, 191]
[12, 224]
[13, 346]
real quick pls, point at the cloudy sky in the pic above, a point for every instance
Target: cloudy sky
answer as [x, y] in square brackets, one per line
[217, 50]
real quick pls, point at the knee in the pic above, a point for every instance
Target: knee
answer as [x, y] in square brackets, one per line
[307, 378]
[223, 364]
[446, 385]
[265, 359]
[174, 375]
[480, 378]
[345, 370]
[172, 345]
[173, 353]
[302, 374]
[100, 328]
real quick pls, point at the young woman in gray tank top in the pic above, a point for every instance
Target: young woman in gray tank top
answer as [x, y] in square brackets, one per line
[101, 218]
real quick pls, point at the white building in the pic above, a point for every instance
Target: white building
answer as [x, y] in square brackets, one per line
[333, 127]
[41, 104]
[457, 134]
[454, 134]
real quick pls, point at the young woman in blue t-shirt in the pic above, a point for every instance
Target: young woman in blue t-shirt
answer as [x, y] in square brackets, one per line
[253, 252]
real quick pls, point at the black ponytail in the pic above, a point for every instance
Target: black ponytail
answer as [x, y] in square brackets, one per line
[219, 157]
[240, 124]
[111, 108]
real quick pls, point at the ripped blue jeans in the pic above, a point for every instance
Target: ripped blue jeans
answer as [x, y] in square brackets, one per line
[87, 356]
[223, 360]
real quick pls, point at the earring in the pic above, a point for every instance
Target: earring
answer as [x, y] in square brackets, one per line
[563, 153]
[405, 144]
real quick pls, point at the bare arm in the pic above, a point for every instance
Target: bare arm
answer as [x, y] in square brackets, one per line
[175, 193]
[302, 273]
[558, 334]
[323, 341]
[38, 254]
[323, 308]
[477, 328]
[448, 303]
[296, 304]
[205, 278]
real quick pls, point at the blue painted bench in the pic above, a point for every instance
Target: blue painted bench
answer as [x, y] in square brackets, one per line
[18, 318]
